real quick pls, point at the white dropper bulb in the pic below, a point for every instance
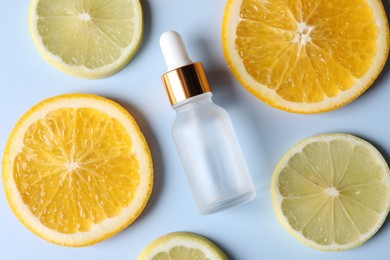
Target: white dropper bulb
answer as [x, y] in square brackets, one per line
[174, 50]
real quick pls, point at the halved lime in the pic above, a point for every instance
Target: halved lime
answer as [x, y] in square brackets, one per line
[84, 38]
[332, 191]
[182, 246]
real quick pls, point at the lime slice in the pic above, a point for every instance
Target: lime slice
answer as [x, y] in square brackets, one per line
[182, 245]
[89, 39]
[331, 191]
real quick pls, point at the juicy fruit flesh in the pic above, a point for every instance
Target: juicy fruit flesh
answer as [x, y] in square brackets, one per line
[76, 169]
[304, 50]
[181, 252]
[181, 245]
[86, 33]
[333, 192]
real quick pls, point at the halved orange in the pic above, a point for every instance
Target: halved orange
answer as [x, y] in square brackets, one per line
[306, 56]
[77, 169]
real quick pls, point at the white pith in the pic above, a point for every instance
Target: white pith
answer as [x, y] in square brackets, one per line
[303, 34]
[85, 17]
[333, 192]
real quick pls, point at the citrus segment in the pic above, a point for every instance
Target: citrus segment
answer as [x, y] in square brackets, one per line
[182, 245]
[306, 56]
[332, 192]
[91, 39]
[77, 170]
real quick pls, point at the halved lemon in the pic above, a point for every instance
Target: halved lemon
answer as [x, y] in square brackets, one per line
[89, 39]
[306, 56]
[332, 192]
[182, 246]
[77, 169]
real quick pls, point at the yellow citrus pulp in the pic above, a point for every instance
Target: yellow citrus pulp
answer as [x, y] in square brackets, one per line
[84, 38]
[182, 246]
[77, 169]
[306, 56]
[332, 192]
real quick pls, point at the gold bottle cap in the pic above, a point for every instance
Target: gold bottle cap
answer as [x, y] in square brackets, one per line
[186, 82]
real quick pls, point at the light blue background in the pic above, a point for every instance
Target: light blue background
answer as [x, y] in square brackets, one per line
[247, 232]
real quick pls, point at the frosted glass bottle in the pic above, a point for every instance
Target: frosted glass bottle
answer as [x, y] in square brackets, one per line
[203, 134]
[210, 154]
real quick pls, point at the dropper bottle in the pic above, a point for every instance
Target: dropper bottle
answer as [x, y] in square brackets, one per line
[203, 133]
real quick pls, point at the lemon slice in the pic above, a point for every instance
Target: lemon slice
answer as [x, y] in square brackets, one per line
[89, 39]
[306, 56]
[180, 246]
[77, 169]
[332, 191]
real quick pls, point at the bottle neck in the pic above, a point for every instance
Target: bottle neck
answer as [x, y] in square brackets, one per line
[193, 101]
[186, 82]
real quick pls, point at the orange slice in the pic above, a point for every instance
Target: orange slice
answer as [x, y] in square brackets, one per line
[306, 56]
[77, 169]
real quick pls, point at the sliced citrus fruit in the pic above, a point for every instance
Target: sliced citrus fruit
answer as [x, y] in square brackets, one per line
[180, 246]
[90, 39]
[77, 169]
[332, 191]
[306, 56]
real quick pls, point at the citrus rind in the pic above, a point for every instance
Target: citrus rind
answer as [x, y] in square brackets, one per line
[185, 239]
